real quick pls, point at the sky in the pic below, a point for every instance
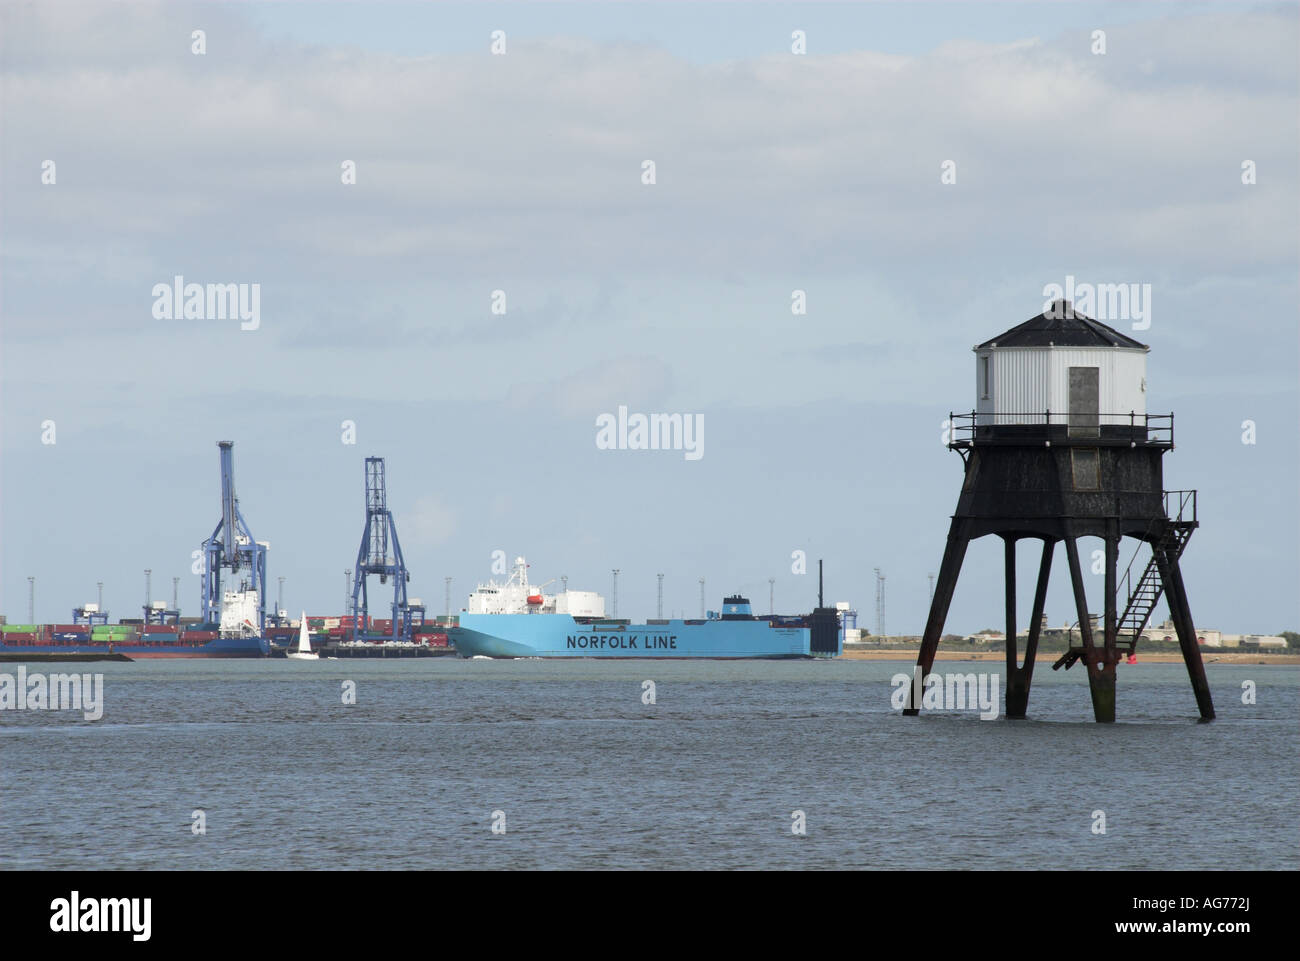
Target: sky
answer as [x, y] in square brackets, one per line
[523, 172]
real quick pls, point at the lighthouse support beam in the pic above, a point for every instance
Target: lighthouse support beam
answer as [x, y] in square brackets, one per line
[1009, 550]
[1100, 667]
[1179, 610]
[1020, 676]
[953, 555]
[1110, 625]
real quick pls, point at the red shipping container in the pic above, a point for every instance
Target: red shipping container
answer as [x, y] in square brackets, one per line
[159, 628]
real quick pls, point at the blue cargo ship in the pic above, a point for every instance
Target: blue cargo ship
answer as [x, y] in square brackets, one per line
[562, 635]
[143, 646]
[516, 620]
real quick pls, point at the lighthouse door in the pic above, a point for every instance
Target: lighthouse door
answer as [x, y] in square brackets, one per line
[1084, 419]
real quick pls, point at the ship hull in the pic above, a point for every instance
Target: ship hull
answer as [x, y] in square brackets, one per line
[221, 647]
[559, 635]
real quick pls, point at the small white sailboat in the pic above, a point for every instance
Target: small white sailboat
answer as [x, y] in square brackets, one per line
[304, 652]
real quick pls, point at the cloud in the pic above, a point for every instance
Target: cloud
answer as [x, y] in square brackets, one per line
[530, 163]
[638, 381]
[429, 523]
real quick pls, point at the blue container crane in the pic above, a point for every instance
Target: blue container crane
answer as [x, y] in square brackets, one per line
[381, 553]
[89, 614]
[232, 547]
[161, 615]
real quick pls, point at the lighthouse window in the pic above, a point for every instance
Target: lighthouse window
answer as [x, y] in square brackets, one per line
[1084, 464]
[984, 377]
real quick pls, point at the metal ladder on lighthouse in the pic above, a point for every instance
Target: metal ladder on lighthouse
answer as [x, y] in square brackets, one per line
[1144, 597]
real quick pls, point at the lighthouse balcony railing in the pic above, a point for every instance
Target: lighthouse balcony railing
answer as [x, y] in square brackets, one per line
[1180, 507]
[1094, 429]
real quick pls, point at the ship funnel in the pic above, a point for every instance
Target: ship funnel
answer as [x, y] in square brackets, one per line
[825, 623]
[736, 608]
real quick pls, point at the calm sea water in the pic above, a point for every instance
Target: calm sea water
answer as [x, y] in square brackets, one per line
[590, 777]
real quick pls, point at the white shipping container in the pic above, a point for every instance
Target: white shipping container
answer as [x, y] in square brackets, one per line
[1263, 640]
[580, 604]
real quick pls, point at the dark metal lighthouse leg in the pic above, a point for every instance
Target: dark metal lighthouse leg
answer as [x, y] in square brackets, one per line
[1018, 678]
[953, 554]
[1101, 670]
[1110, 624]
[1009, 545]
[1172, 576]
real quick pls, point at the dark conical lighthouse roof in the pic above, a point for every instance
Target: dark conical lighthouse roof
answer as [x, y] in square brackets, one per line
[1062, 326]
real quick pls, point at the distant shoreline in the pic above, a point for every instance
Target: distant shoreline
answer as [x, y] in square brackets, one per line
[1160, 657]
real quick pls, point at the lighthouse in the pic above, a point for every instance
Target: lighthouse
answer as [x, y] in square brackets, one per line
[1060, 445]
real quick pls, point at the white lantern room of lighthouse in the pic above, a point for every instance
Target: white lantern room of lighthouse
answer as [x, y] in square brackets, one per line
[1022, 384]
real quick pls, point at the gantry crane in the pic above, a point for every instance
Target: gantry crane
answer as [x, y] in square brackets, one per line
[232, 547]
[381, 553]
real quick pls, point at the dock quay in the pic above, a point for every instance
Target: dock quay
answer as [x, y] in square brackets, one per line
[384, 650]
[61, 657]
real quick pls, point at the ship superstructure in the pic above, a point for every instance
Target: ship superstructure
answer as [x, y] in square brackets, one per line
[516, 596]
